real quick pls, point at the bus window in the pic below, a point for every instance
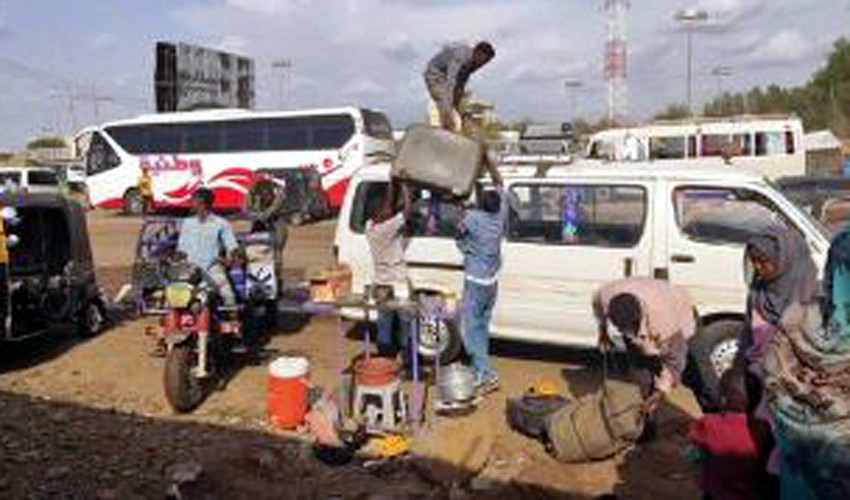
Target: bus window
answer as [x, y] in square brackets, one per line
[244, 135]
[201, 138]
[130, 137]
[164, 139]
[289, 134]
[666, 148]
[692, 146]
[331, 132]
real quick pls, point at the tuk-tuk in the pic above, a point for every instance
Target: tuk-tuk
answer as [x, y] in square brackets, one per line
[156, 247]
[50, 275]
[292, 193]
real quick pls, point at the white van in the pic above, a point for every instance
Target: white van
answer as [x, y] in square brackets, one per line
[672, 222]
[30, 179]
[767, 145]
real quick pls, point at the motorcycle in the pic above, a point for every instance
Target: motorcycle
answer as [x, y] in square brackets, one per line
[197, 343]
[198, 340]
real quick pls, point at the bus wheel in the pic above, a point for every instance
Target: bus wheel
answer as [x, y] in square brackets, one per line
[133, 202]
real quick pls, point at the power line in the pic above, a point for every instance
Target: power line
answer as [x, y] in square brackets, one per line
[52, 80]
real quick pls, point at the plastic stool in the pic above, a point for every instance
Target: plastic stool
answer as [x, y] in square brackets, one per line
[383, 406]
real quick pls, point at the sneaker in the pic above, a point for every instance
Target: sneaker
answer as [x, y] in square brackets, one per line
[487, 386]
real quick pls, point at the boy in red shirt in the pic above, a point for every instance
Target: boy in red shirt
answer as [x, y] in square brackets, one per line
[730, 446]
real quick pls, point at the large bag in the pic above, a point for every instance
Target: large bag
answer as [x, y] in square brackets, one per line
[529, 414]
[439, 159]
[598, 425]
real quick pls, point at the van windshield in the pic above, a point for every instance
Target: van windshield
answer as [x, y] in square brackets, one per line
[431, 215]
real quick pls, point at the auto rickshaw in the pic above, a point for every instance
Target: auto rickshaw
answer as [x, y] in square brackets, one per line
[49, 278]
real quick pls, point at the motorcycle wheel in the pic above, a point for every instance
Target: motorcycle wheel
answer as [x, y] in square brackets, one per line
[183, 390]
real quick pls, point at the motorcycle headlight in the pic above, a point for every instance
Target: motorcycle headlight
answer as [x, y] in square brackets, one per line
[178, 295]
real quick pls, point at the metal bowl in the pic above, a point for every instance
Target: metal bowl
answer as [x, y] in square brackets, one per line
[456, 383]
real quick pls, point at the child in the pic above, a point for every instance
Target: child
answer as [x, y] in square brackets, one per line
[729, 446]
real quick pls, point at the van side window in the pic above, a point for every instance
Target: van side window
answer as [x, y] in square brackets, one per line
[434, 217]
[100, 156]
[666, 148]
[773, 143]
[604, 216]
[722, 215]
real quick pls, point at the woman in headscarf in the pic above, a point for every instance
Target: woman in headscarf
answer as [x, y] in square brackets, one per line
[781, 273]
[807, 375]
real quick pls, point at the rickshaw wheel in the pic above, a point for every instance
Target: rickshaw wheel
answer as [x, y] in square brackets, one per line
[91, 320]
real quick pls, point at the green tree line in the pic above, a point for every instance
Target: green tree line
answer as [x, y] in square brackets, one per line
[822, 103]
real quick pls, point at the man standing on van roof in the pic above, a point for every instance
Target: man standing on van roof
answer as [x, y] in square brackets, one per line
[446, 76]
[479, 239]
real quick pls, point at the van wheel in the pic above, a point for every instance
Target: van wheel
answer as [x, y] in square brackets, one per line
[439, 338]
[713, 351]
[133, 202]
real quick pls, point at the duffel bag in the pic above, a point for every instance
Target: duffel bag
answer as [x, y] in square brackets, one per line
[529, 414]
[598, 425]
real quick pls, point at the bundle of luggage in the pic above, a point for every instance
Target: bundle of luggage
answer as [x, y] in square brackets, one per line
[439, 159]
[593, 427]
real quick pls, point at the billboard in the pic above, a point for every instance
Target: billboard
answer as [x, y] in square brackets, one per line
[191, 77]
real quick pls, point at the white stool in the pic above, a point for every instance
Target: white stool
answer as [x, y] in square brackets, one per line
[383, 406]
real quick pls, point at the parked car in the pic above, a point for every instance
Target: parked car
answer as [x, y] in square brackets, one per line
[30, 179]
[681, 223]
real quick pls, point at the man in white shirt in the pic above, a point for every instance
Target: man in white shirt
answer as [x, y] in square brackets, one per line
[385, 233]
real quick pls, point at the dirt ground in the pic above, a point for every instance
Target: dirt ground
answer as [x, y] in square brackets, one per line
[88, 419]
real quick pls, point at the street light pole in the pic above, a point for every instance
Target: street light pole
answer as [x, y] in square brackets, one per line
[689, 18]
[572, 86]
[720, 72]
[285, 67]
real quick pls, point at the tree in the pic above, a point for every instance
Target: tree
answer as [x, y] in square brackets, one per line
[674, 112]
[47, 142]
[823, 102]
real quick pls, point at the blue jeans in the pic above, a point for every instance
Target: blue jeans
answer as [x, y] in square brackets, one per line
[388, 343]
[476, 312]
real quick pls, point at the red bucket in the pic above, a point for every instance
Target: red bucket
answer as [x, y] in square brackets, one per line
[287, 391]
[376, 371]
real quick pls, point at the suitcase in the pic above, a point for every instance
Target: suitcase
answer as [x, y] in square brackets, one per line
[439, 159]
[598, 425]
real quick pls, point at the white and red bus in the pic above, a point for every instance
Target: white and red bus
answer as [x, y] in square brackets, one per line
[221, 149]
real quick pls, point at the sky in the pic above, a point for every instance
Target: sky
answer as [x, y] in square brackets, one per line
[372, 53]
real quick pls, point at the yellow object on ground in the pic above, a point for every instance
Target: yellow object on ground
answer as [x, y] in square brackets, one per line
[544, 388]
[394, 445]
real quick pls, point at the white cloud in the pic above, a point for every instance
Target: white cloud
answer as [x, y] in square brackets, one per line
[103, 41]
[264, 6]
[789, 46]
[233, 43]
[363, 87]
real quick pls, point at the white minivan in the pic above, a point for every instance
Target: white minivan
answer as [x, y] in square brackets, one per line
[671, 221]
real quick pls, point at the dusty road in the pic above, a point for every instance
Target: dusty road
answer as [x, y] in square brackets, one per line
[88, 419]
